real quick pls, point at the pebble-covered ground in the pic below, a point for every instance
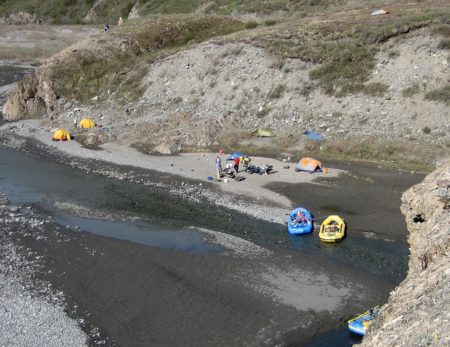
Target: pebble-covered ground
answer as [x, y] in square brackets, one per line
[31, 313]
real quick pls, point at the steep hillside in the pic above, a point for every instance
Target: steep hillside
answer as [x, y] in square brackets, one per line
[99, 11]
[418, 310]
[376, 87]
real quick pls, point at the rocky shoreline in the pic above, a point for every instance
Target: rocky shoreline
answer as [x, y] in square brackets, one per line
[418, 311]
[31, 311]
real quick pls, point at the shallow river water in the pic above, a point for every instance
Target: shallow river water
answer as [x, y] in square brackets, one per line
[157, 270]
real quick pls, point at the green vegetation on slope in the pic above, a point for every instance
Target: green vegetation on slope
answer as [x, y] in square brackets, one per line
[59, 11]
[74, 11]
[346, 49]
[116, 68]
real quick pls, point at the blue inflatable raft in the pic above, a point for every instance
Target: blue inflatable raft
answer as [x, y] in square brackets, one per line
[359, 324]
[300, 221]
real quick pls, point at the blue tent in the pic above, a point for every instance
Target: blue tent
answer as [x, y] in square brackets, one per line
[312, 135]
[234, 155]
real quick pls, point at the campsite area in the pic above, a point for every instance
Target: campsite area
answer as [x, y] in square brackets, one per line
[224, 173]
[204, 237]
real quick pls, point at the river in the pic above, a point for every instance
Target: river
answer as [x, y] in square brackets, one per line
[153, 277]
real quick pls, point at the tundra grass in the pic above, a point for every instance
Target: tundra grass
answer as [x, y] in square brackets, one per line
[344, 50]
[442, 95]
[92, 73]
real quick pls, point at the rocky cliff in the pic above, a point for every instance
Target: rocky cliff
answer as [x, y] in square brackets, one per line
[418, 311]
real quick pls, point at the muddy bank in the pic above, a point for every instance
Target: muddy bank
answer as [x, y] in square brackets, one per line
[367, 197]
[222, 297]
[140, 295]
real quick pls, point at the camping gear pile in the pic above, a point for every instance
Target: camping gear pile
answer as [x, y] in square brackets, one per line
[263, 169]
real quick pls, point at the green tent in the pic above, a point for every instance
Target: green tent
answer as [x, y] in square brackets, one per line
[263, 133]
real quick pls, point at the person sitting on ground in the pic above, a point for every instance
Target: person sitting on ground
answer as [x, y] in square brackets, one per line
[246, 162]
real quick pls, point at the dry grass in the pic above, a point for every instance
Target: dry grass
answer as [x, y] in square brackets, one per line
[344, 44]
[394, 153]
[33, 53]
[402, 153]
[106, 66]
[38, 42]
[442, 95]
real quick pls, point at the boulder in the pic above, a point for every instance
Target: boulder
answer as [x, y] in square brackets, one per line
[167, 148]
[92, 139]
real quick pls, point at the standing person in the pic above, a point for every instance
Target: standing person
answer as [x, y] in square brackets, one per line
[237, 160]
[218, 167]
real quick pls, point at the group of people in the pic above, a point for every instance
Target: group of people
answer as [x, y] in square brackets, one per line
[235, 165]
[300, 217]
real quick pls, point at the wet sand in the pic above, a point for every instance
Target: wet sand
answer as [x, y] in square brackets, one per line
[139, 295]
[278, 290]
[368, 198]
[197, 166]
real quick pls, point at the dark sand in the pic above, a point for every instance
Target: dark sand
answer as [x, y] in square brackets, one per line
[368, 198]
[140, 295]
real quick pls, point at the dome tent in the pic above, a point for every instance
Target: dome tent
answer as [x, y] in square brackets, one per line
[61, 135]
[262, 132]
[87, 123]
[310, 165]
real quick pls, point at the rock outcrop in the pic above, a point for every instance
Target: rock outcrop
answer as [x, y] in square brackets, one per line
[92, 14]
[28, 101]
[418, 311]
[42, 92]
[134, 13]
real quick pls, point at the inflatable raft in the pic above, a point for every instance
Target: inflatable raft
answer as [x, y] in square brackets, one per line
[359, 325]
[300, 221]
[332, 229]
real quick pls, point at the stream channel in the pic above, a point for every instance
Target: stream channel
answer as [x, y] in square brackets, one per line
[154, 269]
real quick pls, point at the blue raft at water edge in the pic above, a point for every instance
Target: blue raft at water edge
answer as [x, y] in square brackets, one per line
[359, 324]
[300, 221]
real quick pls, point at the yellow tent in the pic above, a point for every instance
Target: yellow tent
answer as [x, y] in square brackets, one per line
[61, 135]
[310, 165]
[87, 123]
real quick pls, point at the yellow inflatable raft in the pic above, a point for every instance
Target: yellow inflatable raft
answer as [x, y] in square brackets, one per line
[332, 229]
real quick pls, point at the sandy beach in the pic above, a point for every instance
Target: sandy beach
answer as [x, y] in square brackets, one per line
[197, 166]
[250, 196]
